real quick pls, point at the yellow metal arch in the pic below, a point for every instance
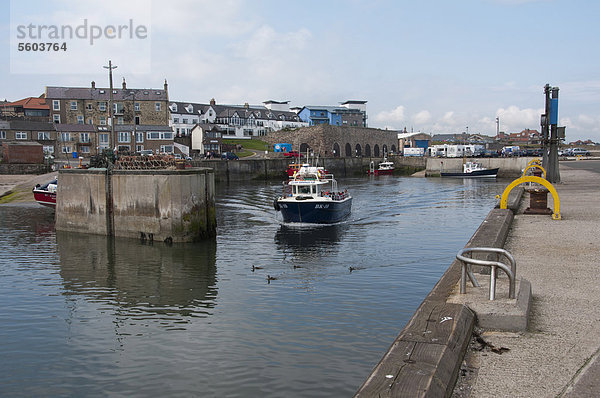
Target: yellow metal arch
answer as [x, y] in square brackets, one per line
[534, 166]
[536, 160]
[538, 180]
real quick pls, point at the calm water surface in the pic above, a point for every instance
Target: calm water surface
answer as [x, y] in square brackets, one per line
[85, 316]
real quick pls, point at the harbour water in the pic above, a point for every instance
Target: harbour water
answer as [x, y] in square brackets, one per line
[82, 315]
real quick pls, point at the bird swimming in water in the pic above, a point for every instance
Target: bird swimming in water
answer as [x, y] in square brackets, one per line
[297, 266]
[271, 278]
[255, 268]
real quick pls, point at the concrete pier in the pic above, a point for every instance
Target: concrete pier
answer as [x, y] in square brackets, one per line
[155, 205]
[556, 350]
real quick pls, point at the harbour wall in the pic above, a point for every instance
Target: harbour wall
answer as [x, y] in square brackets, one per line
[165, 205]
[425, 358]
[508, 167]
[269, 168]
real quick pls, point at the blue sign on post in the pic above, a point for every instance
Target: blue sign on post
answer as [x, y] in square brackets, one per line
[554, 111]
[74, 155]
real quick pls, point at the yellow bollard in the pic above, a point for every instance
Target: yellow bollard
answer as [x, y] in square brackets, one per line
[538, 180]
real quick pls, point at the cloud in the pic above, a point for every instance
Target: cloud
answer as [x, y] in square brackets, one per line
[392, 117]
[422, 117]
[513, 119]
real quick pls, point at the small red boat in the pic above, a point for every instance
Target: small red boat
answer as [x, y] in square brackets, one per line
[46, 194]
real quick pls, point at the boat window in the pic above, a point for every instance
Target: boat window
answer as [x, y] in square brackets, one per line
[304, 189]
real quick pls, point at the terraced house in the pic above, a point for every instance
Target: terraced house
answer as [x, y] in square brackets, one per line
[234, 121]
[82, 118]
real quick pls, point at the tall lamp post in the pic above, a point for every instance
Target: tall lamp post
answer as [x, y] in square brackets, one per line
[111, 140]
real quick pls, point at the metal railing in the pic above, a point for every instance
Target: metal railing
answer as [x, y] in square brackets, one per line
[466, 270]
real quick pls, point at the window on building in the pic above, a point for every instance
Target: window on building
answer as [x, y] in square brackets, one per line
[102, 106]
[79, 119]
[56, 118]
[157, 106]
[90, 121]
[84, 137]
[88, 107]
[137, 120]
[139, 137]
[2, 135]
[166, 148]
[64, 137]
[55, 105]
[43, 135]
[139, 148]
[84, 149]
[159, 135]
[184, 121]
[48, 149]
[103, 140]
[102, 121]
[73, 105]
[175, 120]
[120, 120]
[66, 149]
[136, 106]
[124, 136]
[118, 108]
[123, 148]
[20, 135]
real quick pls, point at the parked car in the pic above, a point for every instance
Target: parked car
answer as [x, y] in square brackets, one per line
[579, 151]
[533, 152]
[292, 154]
[229, 156]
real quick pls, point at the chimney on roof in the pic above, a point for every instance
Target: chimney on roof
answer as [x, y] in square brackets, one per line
[124, 84]
[246, 105]
[166, 85]
[212, 101]
[93, 84]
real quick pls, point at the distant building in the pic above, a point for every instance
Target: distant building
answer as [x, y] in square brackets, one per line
[90, 105]
[29, 131]
[30, 108]
[234, 121]
[526, 136]
[205, 138]
[349, 113]
[413, 140]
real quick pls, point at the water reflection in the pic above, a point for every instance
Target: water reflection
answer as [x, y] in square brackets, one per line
[312, 241]
[139, 280]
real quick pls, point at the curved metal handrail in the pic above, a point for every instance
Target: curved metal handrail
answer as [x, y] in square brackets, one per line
[466, 269]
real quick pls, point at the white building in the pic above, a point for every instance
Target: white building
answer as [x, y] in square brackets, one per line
[234, 121]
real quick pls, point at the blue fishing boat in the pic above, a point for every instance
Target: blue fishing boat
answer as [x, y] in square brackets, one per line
[312, 196]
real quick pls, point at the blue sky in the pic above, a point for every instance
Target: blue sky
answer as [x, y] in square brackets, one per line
[432, 66]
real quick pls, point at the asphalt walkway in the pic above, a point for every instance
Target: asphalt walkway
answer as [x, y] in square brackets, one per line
[558, 355]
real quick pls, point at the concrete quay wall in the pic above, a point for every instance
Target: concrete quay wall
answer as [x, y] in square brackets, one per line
[269, 168]
[425, 359]
[508, 167]
[167, 205]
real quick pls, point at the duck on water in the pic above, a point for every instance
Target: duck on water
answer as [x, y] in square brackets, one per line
[312, 196]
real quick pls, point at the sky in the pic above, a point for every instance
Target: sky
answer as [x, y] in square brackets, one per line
[435, 66]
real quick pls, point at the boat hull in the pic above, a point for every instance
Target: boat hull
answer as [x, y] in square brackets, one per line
[45, 198]
[488, 173]
[384, 172]
[314, 212]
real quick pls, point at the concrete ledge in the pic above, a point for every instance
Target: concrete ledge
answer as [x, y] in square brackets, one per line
[425, 358]
[502, 313]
